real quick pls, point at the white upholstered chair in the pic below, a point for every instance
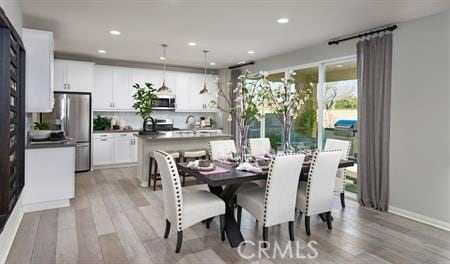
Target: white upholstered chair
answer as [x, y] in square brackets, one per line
[316, 195]
[221, 148]
[274, 204]
[259, 146]
[184, 209]
[344, 146]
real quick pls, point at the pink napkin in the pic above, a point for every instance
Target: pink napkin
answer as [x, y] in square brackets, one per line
[217, 170]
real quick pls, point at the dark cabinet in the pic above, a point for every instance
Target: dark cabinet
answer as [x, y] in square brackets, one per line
[12, 117]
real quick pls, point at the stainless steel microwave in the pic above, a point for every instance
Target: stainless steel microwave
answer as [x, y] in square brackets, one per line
[164, 102]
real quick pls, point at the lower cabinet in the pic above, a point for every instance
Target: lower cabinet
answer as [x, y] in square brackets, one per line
[114, 148]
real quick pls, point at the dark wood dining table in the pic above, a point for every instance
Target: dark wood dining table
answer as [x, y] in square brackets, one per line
[225, 185]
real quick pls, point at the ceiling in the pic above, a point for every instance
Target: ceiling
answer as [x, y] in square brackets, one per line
[228, 28]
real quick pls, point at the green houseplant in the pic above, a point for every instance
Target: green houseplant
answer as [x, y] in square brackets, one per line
[102, 122]
[41, 126]
[144, 97]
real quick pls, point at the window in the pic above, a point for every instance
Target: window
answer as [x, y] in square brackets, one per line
[340, 102]
[304, 129]
[334, 97]
[272, 125]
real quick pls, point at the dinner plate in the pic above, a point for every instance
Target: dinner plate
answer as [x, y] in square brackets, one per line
[210, 168]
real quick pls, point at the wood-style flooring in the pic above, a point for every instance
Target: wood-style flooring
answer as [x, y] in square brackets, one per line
[114, 220]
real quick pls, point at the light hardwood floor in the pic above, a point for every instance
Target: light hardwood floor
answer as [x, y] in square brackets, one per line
[113, 220]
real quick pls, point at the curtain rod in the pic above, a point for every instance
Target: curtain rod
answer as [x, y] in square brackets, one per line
[362, 34]
[240, 65]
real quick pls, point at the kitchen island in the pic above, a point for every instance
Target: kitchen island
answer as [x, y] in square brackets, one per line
[170, 141]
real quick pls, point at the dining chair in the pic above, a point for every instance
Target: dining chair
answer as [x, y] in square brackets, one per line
[275, 203]
[221, 148]
[184, 209]
[259, 146]
[316, 195]
[344, 146]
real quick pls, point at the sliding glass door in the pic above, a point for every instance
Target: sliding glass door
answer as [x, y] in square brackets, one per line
[340, 110]
[304, 131]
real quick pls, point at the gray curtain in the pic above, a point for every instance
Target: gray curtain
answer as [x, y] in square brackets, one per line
[234, 80]
[374, 64]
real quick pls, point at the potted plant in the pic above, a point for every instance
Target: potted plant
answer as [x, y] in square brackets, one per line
[40, 131]
[102, 123]
[245, 107]
[285, 102]
[144, 98]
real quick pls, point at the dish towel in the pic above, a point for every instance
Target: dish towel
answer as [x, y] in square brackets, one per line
[249, 167]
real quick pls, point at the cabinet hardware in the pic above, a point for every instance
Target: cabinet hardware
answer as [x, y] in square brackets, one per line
[103, 135]
[103, 139]
[123, 135]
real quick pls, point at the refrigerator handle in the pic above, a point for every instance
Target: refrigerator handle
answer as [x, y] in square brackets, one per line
[67, 115]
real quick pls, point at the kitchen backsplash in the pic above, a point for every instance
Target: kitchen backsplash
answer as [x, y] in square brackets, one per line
[179, 119]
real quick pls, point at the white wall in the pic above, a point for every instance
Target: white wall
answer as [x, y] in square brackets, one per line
[419, 165]
[419, 156]
[14, 14]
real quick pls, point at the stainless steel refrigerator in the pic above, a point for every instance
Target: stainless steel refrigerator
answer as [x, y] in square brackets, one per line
[72, 114]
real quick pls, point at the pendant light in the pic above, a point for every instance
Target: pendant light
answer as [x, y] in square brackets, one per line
[204, 90]
[164, 88]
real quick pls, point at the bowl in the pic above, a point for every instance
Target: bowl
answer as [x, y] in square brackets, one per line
[263, 163]
[39, 134]
[204, 163]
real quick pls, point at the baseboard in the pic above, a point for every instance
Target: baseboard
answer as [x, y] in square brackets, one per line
[45, 205]
[114, 166]
[420, 218]
[10, 230]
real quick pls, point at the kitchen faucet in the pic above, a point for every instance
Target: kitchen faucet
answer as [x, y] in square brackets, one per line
[195, 122]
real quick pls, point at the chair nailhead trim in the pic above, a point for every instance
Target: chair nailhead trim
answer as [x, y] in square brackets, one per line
[310, 174]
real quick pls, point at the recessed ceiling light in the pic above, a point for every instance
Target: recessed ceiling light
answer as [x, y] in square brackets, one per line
[212, 63]
[339, 66]
[162, 58]
[102, 51]
[114, 32]
[251, 52]
[242, 62]
[283, 20]
[192, 44]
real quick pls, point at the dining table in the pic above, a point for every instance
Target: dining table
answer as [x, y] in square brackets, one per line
[226, 181]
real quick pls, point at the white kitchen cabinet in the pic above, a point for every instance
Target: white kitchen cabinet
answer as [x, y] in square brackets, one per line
[39, 70]
[188, 94]
[73, 76]
[124, 148]
[140, 76]
[183, 93]
[157, 76]
[102, 97]
[103, 149]
[49, 177]
[114, 148]
[121, 89]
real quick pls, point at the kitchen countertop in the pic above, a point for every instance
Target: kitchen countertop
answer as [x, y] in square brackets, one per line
[116, 131]
[182, 136]
[66, 144]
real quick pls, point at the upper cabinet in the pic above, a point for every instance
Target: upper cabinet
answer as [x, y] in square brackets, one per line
[188, 94]
[102, 97]
[113, 88]
[73, 76]
[39, 70]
